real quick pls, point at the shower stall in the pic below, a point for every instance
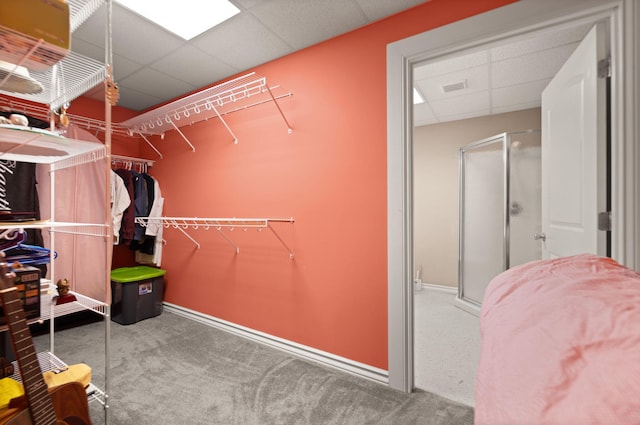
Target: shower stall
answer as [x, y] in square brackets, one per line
[499, 202]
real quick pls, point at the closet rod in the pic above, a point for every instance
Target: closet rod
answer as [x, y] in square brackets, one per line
[218, 224]
[147, 162]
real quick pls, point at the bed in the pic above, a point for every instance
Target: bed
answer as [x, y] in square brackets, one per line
[560, 345]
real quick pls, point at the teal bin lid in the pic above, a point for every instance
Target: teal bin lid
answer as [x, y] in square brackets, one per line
[133, 274]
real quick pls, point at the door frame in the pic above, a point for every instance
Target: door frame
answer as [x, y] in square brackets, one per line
[512, 20]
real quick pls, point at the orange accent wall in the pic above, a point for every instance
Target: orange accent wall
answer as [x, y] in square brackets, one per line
[329, 174]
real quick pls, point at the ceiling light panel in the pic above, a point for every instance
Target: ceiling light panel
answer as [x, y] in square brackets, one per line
[187, 18]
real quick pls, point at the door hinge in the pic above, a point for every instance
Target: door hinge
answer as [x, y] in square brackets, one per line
[604, 221]
[604, 67]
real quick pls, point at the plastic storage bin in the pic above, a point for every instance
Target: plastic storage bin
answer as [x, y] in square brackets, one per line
[136, 293]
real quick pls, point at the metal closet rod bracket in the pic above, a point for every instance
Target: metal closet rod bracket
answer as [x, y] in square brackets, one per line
[218, 224]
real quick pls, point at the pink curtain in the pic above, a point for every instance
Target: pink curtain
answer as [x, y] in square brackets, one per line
[79, 198]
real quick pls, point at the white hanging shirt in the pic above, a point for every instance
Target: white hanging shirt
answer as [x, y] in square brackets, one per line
[120, 201]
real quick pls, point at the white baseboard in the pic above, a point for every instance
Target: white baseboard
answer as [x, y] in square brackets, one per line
[346, 365]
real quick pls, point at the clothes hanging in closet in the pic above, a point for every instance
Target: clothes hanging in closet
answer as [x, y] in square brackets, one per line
[127, 227]
[120, 201]
[145, 200]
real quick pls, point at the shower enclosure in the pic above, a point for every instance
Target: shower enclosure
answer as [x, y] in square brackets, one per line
[499, 191]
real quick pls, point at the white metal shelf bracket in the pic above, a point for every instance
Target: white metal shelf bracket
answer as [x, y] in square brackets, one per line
[280, 239]
[235, 139]
[173, 223]
[236, 247]
[151, 144]
[289, 129]
[193, 149]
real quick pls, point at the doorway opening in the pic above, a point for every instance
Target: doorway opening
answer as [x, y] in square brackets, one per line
[521, 23]
[476, 191]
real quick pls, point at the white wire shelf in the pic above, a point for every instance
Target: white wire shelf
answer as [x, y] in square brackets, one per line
[42, 112]
[219, 225]
[81, 10]
[69, 77]
[49, 309]
[214, 102]
[44, 147]
[81, 229]
[48, 361]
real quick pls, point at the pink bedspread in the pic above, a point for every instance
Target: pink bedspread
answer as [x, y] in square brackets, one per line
[560, 345]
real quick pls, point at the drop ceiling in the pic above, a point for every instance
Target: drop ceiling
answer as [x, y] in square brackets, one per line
[503, 77]
[152, 65]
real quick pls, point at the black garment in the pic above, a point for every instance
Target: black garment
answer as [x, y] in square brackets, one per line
[150, 192]
[19, 198]
[140, 201]
[128, 218]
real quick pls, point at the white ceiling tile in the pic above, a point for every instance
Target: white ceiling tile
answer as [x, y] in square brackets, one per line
[136, 100]
[88, 49]
[423, 115]
[157, 84]
[468, 115]
[531, 67]
[377, 9]
[121, 67]
[539, 42]
[133, 37]
[147, 43]
[447, 65]
[461, 105]
[528, 93]
[247, 4]
[306, 22]
[247, 43]
[515, 107]
[193, 66]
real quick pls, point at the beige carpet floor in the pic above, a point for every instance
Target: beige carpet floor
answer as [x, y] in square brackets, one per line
[171, 370]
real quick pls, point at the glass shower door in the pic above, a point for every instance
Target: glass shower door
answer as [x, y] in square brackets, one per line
[482, 216]
[525, 179]
[500, 209]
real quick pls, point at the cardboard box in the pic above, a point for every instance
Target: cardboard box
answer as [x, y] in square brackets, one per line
[27, 283]
[23, 23]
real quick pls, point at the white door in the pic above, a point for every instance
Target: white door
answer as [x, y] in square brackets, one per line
[574, 153]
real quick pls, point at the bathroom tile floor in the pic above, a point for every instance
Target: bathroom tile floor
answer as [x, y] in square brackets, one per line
[447, 346]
